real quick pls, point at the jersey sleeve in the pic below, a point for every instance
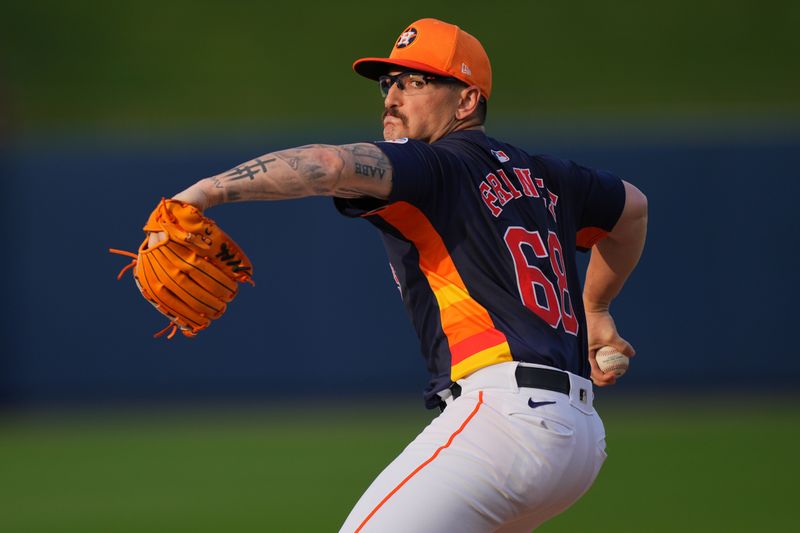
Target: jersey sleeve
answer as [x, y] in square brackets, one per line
[597, 197]
[418, 171]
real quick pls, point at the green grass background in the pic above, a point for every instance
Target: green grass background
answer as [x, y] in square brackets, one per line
[695, 464]
[154, 64]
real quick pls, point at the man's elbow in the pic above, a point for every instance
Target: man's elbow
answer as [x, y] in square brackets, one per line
[632, 224]
[635, 203]
[321, 167]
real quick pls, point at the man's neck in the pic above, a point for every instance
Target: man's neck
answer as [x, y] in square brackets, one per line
[466, 125]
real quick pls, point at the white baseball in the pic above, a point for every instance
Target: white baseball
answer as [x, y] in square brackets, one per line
[610, 359]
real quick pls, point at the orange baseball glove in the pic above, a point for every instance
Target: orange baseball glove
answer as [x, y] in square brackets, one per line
[191, 275]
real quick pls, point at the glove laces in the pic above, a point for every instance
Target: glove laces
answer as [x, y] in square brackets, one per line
[173, 326]
[129, 265]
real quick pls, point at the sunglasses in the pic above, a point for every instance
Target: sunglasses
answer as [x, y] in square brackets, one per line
[411, 82]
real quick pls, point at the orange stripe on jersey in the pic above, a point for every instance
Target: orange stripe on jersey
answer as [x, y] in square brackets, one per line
[424, 464]
[478, 351]
[474, 342]
[588, 237]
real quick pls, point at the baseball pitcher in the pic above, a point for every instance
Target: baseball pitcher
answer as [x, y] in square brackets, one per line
[481, 238]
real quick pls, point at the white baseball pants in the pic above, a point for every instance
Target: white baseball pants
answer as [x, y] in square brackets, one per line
[496, 460]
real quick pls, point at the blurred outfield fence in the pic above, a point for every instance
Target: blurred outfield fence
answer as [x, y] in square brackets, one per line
[710, 306]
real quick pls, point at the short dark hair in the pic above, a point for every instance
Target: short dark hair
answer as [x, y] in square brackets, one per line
[482, 109]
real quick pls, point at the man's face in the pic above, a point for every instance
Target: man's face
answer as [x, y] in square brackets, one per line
[418, 107]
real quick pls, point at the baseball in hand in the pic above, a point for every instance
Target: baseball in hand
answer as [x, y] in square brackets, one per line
[610, 359]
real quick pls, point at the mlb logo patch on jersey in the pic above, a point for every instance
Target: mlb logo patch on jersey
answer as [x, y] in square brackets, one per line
[401, 140]
[500, 155]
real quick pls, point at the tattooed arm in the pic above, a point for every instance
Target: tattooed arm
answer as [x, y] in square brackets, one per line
[347, 171]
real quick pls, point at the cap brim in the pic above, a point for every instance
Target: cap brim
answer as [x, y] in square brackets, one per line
[375, 67]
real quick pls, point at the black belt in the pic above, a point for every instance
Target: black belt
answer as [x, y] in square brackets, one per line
[532, 377]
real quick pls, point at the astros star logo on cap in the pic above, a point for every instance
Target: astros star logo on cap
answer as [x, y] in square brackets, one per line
[406, 38]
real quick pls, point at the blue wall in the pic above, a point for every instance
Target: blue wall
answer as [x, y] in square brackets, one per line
[711, 305]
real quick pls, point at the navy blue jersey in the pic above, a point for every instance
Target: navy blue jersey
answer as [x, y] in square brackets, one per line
[481, 238]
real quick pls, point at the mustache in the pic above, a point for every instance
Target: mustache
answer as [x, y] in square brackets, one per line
[392, 112]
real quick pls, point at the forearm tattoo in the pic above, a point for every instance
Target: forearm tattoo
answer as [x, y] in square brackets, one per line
[350, 171]
[249, 170]
[371, 162]
[291, 161]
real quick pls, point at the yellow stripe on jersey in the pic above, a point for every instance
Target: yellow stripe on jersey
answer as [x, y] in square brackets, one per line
[473, 340]
[500, 353]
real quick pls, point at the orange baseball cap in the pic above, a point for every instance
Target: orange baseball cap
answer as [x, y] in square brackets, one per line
[435, 47]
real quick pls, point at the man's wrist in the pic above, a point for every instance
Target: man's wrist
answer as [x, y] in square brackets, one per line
[198, 195]
[596, 307]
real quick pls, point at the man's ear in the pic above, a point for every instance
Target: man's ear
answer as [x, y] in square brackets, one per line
[467, 102]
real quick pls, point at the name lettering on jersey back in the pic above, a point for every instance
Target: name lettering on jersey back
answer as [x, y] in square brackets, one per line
[497, 189]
